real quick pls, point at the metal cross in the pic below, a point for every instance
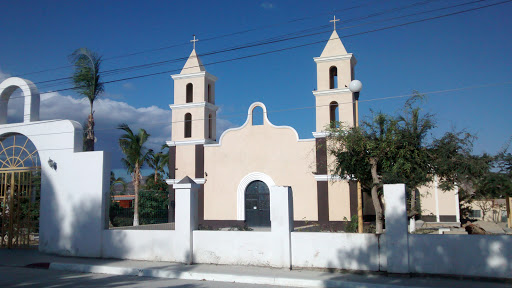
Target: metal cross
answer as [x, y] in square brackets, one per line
[334, 21]
[194, 41]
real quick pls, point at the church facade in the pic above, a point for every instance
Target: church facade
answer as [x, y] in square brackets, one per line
[236, 169]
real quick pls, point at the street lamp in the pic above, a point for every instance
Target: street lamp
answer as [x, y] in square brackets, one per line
[355, 87]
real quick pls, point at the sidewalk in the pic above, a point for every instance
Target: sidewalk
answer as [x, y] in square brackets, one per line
[224, 273]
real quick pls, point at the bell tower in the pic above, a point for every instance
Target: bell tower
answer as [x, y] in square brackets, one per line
[335, 71]
[193, 120]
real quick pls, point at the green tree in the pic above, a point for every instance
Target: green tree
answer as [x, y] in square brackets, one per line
[86, 78]
[157, 162]
[136, 155]
[457, 168]
[413, 164]
[498, 182]
[395, 149]
[366, 153]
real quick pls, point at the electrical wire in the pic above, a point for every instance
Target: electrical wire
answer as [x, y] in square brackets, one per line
[316, 42]
[236, 115]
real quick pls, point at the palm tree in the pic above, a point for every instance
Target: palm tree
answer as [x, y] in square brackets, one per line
[136, 155]
[87, 82]
[157, 162]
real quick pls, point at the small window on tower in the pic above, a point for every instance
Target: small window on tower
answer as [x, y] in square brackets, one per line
[190, 93]
[188, 125]
[333, 113]
[333, 77]
[257, 116]
[210, 93]
[210, 126]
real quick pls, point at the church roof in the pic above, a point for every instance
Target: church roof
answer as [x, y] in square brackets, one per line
[193, 64]
[334, 46]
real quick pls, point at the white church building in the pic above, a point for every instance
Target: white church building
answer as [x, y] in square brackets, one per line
[236, 169]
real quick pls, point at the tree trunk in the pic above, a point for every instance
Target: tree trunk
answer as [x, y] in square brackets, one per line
[136, 183]
[156, 178]
[375, 197]
[89, 140]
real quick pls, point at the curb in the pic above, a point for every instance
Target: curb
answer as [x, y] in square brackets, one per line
[244, 279]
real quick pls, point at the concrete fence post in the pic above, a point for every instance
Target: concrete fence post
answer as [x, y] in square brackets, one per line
[397, 246]
[281, 212]
[186, 220]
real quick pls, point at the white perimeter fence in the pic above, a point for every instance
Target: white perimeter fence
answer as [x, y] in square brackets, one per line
[396, 251]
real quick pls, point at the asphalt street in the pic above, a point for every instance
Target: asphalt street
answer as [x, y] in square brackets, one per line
[30, 277]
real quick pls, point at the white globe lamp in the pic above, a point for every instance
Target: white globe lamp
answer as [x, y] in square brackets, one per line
[355, 86]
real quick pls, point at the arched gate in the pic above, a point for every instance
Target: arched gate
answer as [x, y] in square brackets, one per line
[20, 185]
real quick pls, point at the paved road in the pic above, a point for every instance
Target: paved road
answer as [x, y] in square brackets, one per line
[27, 277]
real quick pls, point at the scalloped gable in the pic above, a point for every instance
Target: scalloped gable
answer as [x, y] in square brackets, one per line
[334, 46]
[248, 125]
[193, 64]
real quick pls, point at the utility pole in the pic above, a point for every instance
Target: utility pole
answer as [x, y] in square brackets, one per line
[355, 87]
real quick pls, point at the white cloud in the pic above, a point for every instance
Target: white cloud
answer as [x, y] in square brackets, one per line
[108, 114]
[268, 5]
[112, 96]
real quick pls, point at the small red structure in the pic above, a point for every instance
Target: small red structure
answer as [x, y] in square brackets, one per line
[125, 201]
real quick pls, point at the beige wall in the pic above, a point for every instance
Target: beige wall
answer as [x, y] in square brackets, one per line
[427, 200]
[267, 149]
[447, 201]
[180, 89]
[494, 212]
[345, 109]
[199, 124]
[339, 200]
[185, 161]
[344, 73]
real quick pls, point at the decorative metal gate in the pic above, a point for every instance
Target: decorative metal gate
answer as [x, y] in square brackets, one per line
[20, 183]
[257, 204]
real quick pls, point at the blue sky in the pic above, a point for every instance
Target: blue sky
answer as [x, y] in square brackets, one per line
[465, 50]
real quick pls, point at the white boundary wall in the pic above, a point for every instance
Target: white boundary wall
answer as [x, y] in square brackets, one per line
[469, 255]
[233, 247]
[338, 250]
[139, 245]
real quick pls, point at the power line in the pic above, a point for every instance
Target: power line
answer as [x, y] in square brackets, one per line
[236, 115]
[267, 41]
[272, 40]
[206, 39]
[299, 46]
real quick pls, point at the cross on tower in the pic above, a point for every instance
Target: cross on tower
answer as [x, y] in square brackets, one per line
[194, 41]
[334, 21]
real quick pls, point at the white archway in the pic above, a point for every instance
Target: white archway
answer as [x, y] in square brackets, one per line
[30, 93]
[240, 192]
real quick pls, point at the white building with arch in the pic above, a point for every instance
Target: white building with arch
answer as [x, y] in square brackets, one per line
[226, 165]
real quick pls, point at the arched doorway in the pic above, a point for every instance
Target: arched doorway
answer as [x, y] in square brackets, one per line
[257, 204]
[20, 186]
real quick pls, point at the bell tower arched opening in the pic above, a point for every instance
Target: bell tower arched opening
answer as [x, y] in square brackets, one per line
[333, 77]
[334, 112]
[190, 93]
[188, 125]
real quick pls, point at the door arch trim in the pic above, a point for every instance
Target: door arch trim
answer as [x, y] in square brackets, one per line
[240, 192]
